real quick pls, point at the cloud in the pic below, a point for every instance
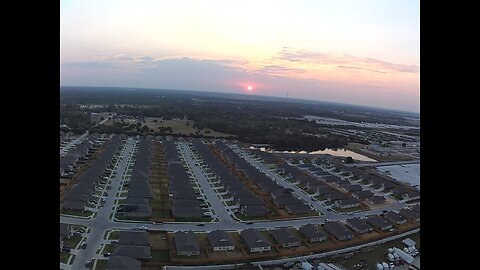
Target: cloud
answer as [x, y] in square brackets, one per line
[343, 61]
[280, 69]
[231, 76]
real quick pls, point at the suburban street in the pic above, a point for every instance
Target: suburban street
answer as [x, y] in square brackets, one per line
[69, 146]
[102, 222]
[217, 205]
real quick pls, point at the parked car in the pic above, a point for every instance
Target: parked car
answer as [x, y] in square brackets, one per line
[250, 222]
[87, 264]
[66, 248]
[84, 245]
[201, 224]
[107, 254]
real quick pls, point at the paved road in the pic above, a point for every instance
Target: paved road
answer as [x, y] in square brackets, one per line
[78, 140]
[379, 164]
[218, 207]
[101, 223]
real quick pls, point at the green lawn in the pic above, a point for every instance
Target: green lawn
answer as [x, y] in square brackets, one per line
[123, 217]
[230, 203]
[320, 197]
[85, 213]
[113, 235]
[64, 256]
[73, 241]
[108, 248]
[162, 256]
[121, 201]
[79, 228]
[348, 209]
[101, 264]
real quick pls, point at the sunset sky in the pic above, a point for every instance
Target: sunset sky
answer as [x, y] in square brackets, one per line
[360, 52]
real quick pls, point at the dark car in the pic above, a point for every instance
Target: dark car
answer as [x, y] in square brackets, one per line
[201, 224]
[87, 264]
[84, 245]
[249, 223]
[107, 254]
[66, 248]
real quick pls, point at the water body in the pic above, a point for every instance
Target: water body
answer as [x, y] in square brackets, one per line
[344, 153]
[337, 153]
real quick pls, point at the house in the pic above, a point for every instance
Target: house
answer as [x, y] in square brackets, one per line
[379, 222]
[359, 225]
[347, 203]
[186, 244]
[375, 199]
[123, 263]
[298, 209]
[74, 205]
[285, 238]
[254, 210]
[338, 230]
[351, 188]
[335, 196]
[220, 240]
[140, 210]
[405, 193]
[363, 194]
[137, 252]
[281, 192]
[65, 230]
[187, 211]
[312, 233]
[395, 218]
[410, 214]
[416, 208]
[134, 238]
[256, 241]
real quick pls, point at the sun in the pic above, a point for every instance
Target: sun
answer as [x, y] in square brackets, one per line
[249, 88]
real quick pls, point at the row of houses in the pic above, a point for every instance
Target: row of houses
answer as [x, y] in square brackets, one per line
[398, 190]
[282, 197]
[183, 196]
[257, 241]
[71, 161]
[249, 204]
[97, 173]
[132, 248]
[137, 203]
[347, 194]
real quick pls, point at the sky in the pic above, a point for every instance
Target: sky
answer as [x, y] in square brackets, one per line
[359, 52]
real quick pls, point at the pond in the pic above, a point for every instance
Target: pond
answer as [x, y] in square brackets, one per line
[337, 153]
[344, 153]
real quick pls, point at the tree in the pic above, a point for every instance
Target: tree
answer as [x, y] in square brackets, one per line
[349, 160]
[404, 144]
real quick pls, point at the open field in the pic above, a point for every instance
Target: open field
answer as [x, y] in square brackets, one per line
[178, 126]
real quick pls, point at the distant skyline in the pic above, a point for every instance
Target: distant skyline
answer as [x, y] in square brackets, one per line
[357, 52]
